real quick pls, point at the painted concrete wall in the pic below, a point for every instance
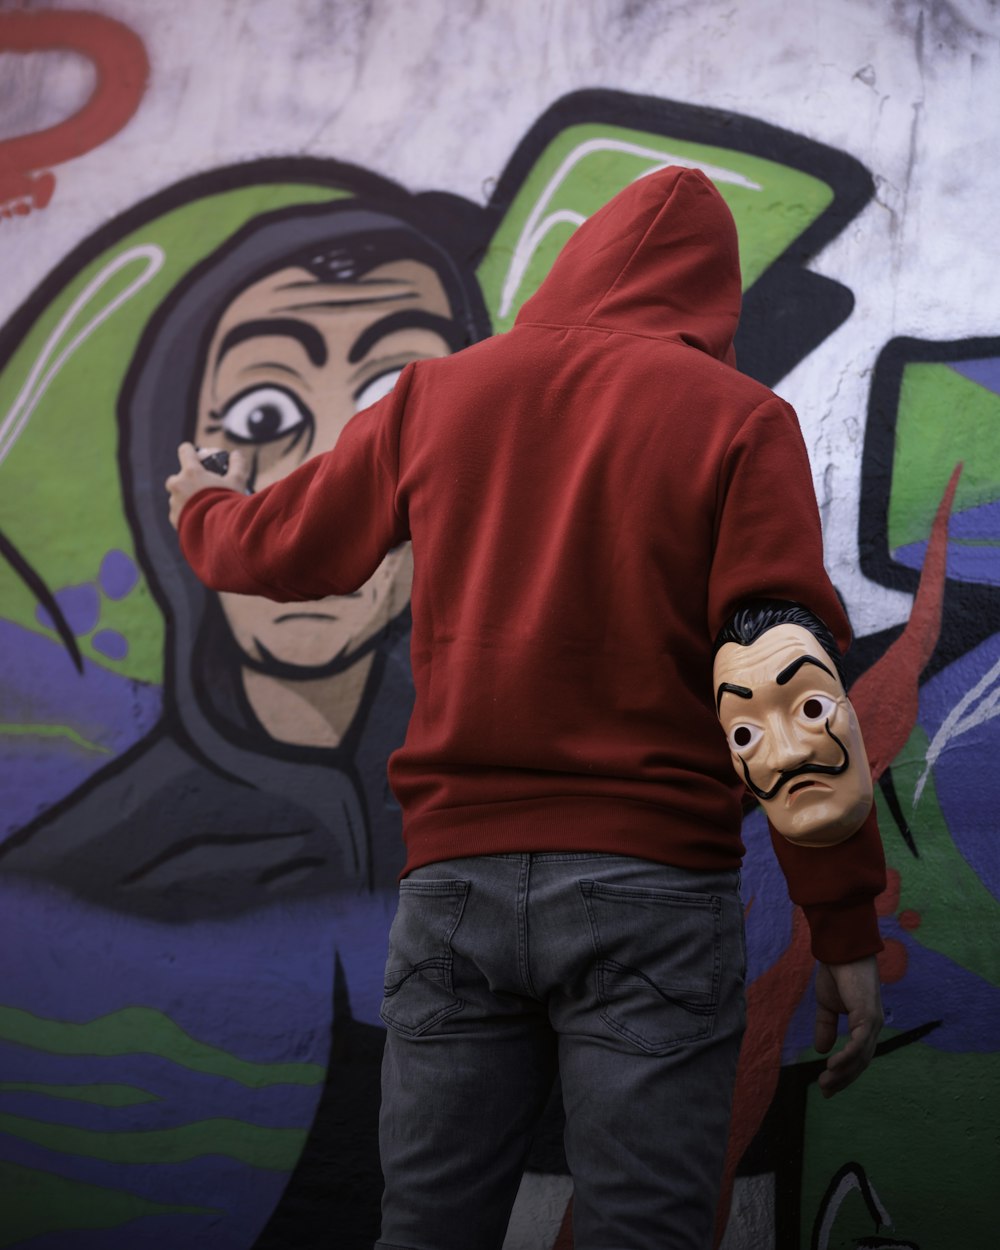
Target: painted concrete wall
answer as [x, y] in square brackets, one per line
[198, 843]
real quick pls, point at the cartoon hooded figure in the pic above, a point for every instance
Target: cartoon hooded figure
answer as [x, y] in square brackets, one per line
[266, 775]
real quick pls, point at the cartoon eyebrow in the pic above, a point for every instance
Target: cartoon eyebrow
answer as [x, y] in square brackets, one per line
[306, 335]
[406, 319]
[727, 687]
[788, 673]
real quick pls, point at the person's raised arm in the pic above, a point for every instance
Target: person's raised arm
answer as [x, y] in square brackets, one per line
[322, 530]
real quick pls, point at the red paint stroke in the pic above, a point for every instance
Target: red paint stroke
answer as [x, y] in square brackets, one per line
[771, 1003]
[885, 697]
[118, 54]
[892, 960]
[564, 1238]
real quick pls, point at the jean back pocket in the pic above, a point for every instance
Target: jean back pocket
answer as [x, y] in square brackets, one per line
[418, 989]
[659, 962]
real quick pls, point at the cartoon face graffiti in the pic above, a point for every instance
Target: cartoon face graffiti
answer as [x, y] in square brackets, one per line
[291, 360]
[793, 734]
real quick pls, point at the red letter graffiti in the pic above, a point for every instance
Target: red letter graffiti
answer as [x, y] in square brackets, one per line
[885, 697]
[26, 180]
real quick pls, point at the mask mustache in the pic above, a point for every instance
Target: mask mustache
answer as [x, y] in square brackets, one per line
[803, 770]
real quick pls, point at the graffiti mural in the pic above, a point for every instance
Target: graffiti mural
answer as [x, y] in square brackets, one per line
[199, 848]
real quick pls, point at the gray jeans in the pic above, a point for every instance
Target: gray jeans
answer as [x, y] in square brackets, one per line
[623, 975]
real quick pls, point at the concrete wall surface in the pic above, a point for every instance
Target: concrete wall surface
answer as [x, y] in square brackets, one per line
[198, 848]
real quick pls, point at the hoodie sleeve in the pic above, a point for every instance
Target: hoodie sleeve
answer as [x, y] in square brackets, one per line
[768, 539]
[322, 530]
[836, 887]
[769, 544]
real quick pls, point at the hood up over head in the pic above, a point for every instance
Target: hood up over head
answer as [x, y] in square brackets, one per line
[660, 259]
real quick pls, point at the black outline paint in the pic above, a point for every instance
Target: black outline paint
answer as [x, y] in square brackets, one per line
[789, 310]
[39, 588]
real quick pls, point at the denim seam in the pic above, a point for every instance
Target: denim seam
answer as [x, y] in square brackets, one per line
[523, 886]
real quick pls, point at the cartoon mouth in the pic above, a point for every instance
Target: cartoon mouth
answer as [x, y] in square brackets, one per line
[305, 616]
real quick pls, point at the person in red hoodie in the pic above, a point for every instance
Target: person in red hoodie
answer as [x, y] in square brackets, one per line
[590, 498]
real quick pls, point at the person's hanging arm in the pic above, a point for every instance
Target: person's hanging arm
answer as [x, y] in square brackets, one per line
[321, 530]
[793, 737]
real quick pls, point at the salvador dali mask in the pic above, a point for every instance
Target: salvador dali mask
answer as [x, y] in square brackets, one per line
[794, 736]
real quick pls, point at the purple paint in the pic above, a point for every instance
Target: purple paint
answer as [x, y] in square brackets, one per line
[978, 564]
[179, 1094]
[80, 605]
[238, 1199]
[40, 686]
[258, 987]
[111, 643]
[985, 372]
[119, 574]
[769, 919]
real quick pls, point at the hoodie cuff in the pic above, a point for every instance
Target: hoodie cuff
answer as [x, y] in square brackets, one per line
[843, 932]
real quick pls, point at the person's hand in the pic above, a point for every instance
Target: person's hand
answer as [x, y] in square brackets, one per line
[851, 990]
[192, 478]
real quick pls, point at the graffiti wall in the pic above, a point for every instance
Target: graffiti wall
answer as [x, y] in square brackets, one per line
[236, 224]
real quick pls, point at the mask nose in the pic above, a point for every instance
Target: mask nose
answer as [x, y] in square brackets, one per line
[786, 749]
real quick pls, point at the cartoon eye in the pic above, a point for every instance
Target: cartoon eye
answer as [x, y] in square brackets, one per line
[818, 708]
[375, 389]
[264, 414]
[743, 737]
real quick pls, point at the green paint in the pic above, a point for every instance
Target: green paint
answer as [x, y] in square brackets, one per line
[954, 905]
[925, 1125]
[943, 417]
[60, 498]
[34, 1203]
[586, 165]
[273, 1149]
[141, 1030]
[53, 731]
[103, 1095]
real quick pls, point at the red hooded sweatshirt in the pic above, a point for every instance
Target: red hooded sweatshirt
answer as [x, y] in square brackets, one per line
[589, 497]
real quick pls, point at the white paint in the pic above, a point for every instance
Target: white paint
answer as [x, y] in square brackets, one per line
[538, 1211]
[751, 1214]
[853, 1181]
[965, 715]
[540, 221]
[41, 89]
[45, 369]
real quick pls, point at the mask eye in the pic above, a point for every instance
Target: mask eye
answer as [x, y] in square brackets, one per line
[743, 737]
[375, 389]
[817, 708]
[264, 414]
